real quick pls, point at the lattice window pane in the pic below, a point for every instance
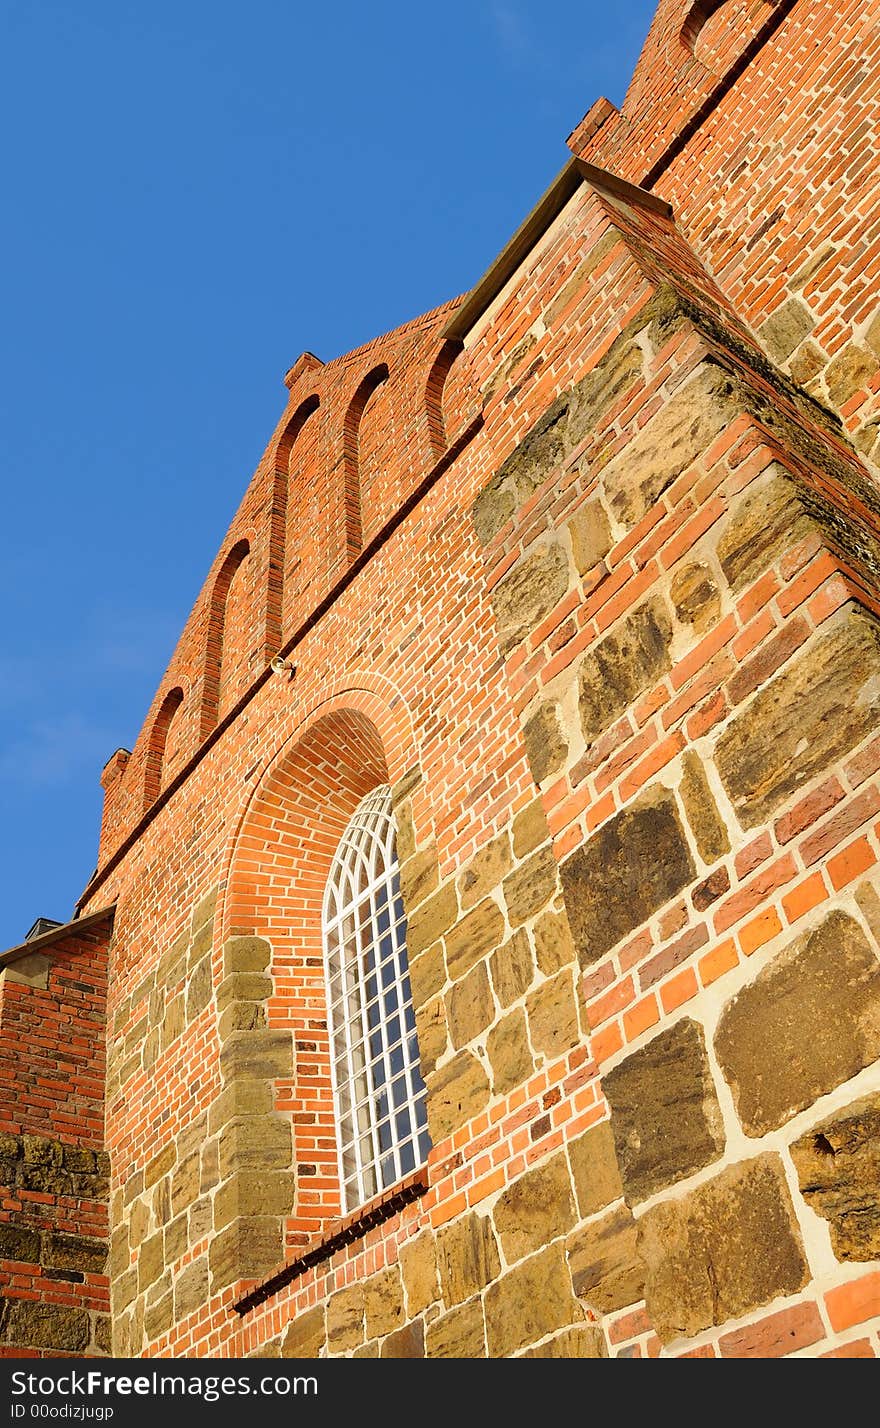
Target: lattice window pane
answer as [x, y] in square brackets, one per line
[377, 1085]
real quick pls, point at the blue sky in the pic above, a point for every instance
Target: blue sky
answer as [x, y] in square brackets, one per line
[193, 195]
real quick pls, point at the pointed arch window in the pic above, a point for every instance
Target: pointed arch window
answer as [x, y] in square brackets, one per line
[378, 1089]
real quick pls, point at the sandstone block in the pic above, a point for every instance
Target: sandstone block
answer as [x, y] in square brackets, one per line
[695, 596]
[345, 1318]
[305, 1335]
[590, 532]
[808, 1022]
[838, 1167]
[470, 1007]
[546, 745]
[723, 1250]
[786, 329]
[246, 954]
[594, 1169]
[529, 1302]
[622, 666]
[248, 1248]
[383, 1302]
[822, 704]
[582, 1341]
[484, 871]
[467, 1257]
[627, 871]
[535, 1209]
[456, 1093]
[554, 944]
[664, 1112]
[512, 968]
[702, 811]
[530, 886]
[528, 593]
[606, 1268]
[530, 829]
[405, 1343]
[460, 1334]
[552, 1010]
[477, 934]
[509, 1053]
[418, 1265]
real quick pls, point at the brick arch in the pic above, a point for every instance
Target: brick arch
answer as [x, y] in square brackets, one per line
[213, 656]
[278, 868]
[353, 512]
[434, 390]
[716, 32]
[278, 520]
[157, 744]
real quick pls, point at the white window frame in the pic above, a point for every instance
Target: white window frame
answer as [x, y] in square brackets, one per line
[378, 1091]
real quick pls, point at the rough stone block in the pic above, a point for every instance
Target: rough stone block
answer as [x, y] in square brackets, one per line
[530, 886]
[552, 1010]
[823, 703]
[254, 1143]
[418, 1265]
[199, 989]
[19, 1243]
[345, 1318]
[838, 1167]
[253, 1192]
[702, 811]
[535, 1209]
[722, 1251]
[622, 666]
[26, 1323]
[257, 1055]
[246, 1249]
[590, 532]
[529, 1302]
[546, 745]
[606, 1268]
[671, 442]
[766, 521]
[554, 944]
[470, 1007]
[627, 871]
[477, 934]
[786, 329]
[305, 1336]
[456, 1093]
[461, 1334]
[512, 968]
[509, 1053]
[430, 921]
[419, 876]
[527, 594]
[582, 1341]
[808, 1022]
[81, 1252]
[695, 596]
[530, 829]
[484, 871]
[467, 1257]
[664, 1112]
[405, 1343]
[432, 1033]
[383, 1302]
[594, 1169]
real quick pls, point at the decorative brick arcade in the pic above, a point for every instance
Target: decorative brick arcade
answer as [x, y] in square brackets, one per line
[586, 566]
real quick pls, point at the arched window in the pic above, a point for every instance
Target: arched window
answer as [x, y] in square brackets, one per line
[377, 1086]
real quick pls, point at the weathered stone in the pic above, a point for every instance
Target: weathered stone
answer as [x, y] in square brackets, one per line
[241, 1098]
[634, 864]
[246, 954]
[419, 876]
[509, 1053]
[19, 1243]
[406, 834]
[528, 593]
[204, 910]
[664, 1112]
[200, 1219]
[546, 746]
[176, 1240]
[786, 329]
[670, 443]
[530, 886]
[365, 1351]
[590, 532]
[822, 704]
[430, 921]
[872, 335]
[173, 1021]
[552, 1010]
[159, 1317]
[477, 934]
[199, 989]
[432, 1033]
[484, 871]
[427, 974]
[806, 364]
[767, 520]
[470, 1007]
[305, 1335]
[460, 1334]
[491, 512]
[254, 1143]
[838, 1168]
[257, 1055]
[102, 1333]
[529, 465]
[345, 1318]
[849, 372]
[124, 1290]
[418, 1265]
[467, 1257]
[185, 1183]
[247, 1248]
[808, 1022]
[619, 369]
[606, 1269]
[512, 968]
[456, 1093]
[172, 964]
[622, 666]
[200, 946]
[530, 829]
[582, 1341]
[554, 944]
[383, 1302]
[594, 1169]
[151, 1261]
[243, 987]
[27, 1323]
[725, 1249]
[405, 1343]
[695, 597]
[81, 1252]
[702, 811]
[529, 1302]
[535, 1209]
[252, 1192]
